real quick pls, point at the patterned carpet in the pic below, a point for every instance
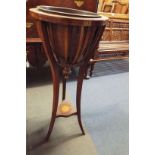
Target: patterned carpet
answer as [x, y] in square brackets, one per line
[110, 67]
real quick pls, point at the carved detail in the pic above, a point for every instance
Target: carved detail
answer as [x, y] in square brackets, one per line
[29, 25]
[79, 3]
[66, 71]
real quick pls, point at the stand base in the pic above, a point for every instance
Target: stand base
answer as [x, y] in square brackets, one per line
[65, 109]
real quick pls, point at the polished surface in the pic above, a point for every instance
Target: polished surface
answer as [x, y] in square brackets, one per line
[68, 11]
[68, 41]
[67, 18]
[31, 30]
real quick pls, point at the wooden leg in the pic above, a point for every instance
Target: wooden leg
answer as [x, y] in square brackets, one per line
[55, 76]
[63, 88]
[82, 71]
[91, 69]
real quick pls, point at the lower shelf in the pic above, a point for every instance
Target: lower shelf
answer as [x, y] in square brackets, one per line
[65, 109]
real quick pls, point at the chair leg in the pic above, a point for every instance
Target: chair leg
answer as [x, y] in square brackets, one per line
[91, 69]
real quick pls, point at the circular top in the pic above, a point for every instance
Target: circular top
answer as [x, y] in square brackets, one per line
[68, 11]
[67, 16]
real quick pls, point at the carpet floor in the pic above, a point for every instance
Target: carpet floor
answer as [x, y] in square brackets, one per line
[104, 114]
[66, 138]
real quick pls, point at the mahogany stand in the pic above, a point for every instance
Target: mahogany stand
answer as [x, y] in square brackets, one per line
[68, 41]
[56, 83]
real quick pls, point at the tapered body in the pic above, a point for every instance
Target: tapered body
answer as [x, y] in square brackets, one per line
[69, 40]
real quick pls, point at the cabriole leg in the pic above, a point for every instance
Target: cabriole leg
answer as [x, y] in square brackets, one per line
[55, 76]
[82, 71]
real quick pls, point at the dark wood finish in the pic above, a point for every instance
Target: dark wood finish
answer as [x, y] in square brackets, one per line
[82, 71]
[88, 5]
[35, 52]
[68, 41]
[68, 115]
[63, 88]
[31, 31]
[56, 82]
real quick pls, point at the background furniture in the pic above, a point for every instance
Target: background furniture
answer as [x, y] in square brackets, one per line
[114, 44]
[114, 6]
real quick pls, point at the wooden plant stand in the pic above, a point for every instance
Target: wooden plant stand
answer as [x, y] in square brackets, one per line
[68, 41]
